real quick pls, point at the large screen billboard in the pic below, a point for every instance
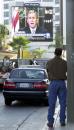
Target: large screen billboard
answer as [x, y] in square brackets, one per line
[33, 21]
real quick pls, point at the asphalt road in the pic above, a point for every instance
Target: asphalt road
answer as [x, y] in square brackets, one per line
[21, 116]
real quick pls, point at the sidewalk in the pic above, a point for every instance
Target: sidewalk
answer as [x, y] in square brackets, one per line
[58, 127]
[57, 123]
[67, 127]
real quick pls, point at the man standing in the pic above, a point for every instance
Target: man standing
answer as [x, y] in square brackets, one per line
[57, 69]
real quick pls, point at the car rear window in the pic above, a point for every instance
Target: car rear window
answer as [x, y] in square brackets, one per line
[28, 73]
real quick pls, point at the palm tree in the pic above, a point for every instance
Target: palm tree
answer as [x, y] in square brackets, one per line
[3, 33]
[19, 43]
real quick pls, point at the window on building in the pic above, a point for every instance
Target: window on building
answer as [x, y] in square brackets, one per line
[48, 0]
[7, 0]
[57, 9]
[6, 6]
[57, 17]
[57, 1]
[6, 21]
[6, 14]
[57, 28]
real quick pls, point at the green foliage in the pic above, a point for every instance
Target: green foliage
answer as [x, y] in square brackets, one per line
[58, 40]
[38, 52]
[19, 42]
[22, 13]
[3, 32]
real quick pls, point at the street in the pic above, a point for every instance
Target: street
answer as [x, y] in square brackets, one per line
[24, 116]
[21, 116]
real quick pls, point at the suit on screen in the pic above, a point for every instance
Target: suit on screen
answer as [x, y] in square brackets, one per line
[39, 30]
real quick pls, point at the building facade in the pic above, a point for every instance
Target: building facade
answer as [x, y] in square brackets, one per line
[58, 17]
[1, 12]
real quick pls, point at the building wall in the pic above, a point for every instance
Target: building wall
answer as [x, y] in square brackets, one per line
[6, 5]
[54, 3]
[64, 22]
[1, 12]
[51, 3]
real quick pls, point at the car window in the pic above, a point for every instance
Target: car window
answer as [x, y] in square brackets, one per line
[28, 73]
[14, 74]
[35, 74]
[22, 74]
[19, 73]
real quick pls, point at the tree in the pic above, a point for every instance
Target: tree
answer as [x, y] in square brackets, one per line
[3, 33]
[58, 40]
[38, 52]
[19, 43]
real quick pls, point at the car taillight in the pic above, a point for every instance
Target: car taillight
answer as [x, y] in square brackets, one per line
[40, 85]
[9, 84]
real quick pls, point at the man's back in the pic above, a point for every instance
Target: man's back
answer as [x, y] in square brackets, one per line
[57, 69]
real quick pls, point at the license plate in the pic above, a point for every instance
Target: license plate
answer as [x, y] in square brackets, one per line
[24, 85]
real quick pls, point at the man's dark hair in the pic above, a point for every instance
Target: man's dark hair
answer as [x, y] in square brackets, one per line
[58, 51]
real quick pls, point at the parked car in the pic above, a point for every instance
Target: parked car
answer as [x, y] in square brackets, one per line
[1, 83]
[4, 73]
[1, 80]
[26, 83]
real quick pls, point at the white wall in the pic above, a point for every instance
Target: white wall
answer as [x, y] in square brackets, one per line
[64, 22]
[1, 11]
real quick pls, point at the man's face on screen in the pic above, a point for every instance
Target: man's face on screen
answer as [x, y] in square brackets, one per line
[32, 19]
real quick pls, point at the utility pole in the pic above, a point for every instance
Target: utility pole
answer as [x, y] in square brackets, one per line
[70, 58]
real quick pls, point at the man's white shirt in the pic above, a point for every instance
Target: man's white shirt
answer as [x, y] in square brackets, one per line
[33, 30]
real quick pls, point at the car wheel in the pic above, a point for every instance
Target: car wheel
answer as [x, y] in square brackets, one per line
[8, 102]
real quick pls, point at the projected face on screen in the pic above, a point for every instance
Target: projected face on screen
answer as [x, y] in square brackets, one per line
[36, 22]
[32, 19]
